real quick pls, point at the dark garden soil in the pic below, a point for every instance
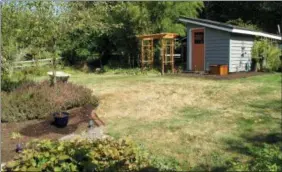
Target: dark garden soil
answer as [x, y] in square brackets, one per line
[218, 77]
[41, 129]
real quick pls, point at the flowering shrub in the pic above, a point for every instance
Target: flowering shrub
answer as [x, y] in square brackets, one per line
[35, 101]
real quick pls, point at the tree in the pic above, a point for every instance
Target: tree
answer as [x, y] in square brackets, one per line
[266, 15]
[145, 18]
[164, 15]
[267, 54]
[239, 22]
[89, 23]
[78, 30]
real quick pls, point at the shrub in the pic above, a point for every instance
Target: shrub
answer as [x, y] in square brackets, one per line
[80, 155]
[36, 101]
[267, 158]
[264, 50]
[35, 70]
[8, 84]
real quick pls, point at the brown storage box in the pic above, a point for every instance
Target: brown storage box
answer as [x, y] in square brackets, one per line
[219, 69]
[214, 69]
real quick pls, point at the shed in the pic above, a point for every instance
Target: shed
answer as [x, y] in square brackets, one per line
[214, 43]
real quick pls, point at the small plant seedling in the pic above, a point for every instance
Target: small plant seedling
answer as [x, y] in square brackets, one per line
[16, 135]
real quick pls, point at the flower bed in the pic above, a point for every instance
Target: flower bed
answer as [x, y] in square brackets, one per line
[37, 101]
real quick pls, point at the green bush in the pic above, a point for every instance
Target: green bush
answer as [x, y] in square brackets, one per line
[8, 84]
[36, 70]
[80, 155]
[267, 158]
[37, 101]
[265, 50]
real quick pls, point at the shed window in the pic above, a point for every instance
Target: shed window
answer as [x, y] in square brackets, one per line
[199, 37]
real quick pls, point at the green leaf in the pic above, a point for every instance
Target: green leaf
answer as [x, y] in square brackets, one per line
[11, 164]
[52, 158]
[46, 154]
[33, 169]
[57, 169]
[24, 168]
[33, 163]
[60, 148]
[63, 157]
[73, 167]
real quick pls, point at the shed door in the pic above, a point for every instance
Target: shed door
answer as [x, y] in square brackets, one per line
[198, 48]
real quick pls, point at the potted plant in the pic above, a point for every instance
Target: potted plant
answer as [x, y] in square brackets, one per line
[61, 119]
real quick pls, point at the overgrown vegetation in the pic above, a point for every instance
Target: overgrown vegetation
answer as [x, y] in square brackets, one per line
[81, 155]
[21, 76]
[267, 55]
[8, 84]
[264, 14]
[239, 22]
[38, 100]
[266, 158]
[83, 31]
[131, 71]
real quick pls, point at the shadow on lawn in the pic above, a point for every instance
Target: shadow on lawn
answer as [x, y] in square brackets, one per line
[149, 169]
[245, 147]
[272, 138]
[258, 140]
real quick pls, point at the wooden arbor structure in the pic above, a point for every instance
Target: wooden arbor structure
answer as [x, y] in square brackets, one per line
[167, 49]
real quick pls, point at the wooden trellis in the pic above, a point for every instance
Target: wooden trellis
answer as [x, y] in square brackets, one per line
[147, 49]
[147, 52]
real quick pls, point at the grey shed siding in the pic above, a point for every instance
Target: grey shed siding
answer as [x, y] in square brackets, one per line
[216, 46]
[240, 52]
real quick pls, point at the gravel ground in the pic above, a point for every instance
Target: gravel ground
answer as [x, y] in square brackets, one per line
[91, 134]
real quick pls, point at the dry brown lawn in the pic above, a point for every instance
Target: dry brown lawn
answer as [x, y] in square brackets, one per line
[189, 121]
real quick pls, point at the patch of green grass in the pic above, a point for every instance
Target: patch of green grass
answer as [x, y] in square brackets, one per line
[190, 113]
[271, 78]
[264, 106]
[246, 125]
[264, 90]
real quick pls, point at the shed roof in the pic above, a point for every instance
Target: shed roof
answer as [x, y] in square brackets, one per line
[227, 27]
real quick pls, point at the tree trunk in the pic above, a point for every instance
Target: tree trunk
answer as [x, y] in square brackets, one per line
[53, 80]
[261, 64]
[100, 59]
[129, 63]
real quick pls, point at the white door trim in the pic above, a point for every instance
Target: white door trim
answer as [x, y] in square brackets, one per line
[190, 49]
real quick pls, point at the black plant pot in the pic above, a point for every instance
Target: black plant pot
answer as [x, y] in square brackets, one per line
[61, 119]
